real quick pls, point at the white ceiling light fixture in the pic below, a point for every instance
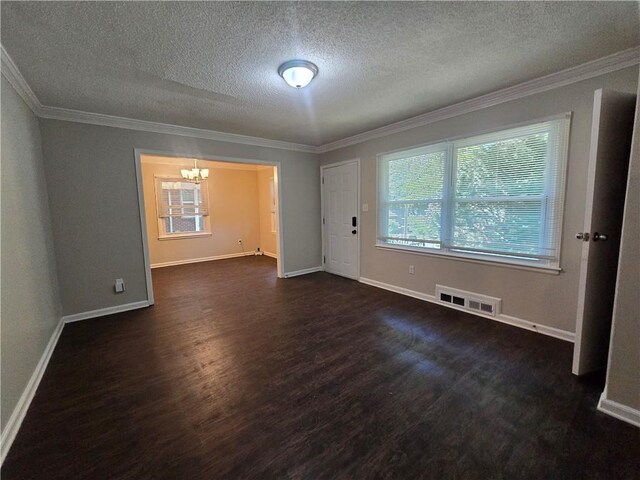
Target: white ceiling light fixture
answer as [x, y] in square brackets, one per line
[298, 73]
[195, 175]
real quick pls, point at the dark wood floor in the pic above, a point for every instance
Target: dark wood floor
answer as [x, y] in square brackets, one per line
[236, 374]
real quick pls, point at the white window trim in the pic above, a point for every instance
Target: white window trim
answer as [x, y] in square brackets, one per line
[181, 236]
[480, 258]
[470, 258]
[162, 235]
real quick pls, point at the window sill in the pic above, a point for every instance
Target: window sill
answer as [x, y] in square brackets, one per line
[182, 236]
[470, 259]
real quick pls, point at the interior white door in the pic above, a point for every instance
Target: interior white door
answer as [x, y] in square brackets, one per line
[612, 128]
[341, 222]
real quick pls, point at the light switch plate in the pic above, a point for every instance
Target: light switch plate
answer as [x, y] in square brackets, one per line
[365, 207]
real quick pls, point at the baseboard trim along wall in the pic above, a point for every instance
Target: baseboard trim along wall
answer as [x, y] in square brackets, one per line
[15, 420]
[618, 410]
[101, 312]
[304, 271]
[202, 259]
[269, 254]
[508, 319]
[19, 412]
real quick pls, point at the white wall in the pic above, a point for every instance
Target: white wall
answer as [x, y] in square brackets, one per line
[30, 298]
[90, 171]
[541, 298]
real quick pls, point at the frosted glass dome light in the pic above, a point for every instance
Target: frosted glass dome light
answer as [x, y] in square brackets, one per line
[298, 73]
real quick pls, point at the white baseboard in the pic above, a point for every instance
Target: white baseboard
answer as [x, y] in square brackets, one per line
[202, 259]
[17, 416]
[269, 254]
[618, 410]
[76, 317]
[403, 291]
[303, 272]
[15, 420]
[508, 319]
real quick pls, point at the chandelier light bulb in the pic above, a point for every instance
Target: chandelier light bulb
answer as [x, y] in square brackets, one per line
[195, 175]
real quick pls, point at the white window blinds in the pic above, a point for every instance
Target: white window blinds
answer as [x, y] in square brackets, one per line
[498, 195]
[412, 197]
[508, 192]
[183, 208]
[178, 198]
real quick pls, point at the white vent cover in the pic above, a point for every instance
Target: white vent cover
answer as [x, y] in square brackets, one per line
[473, 302]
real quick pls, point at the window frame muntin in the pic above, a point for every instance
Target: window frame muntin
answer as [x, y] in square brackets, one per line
[562, 134]
[162, 233]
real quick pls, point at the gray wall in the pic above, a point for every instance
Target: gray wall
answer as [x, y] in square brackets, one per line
[30, 302]
[90, 170]
[541, 298]
[623, 375]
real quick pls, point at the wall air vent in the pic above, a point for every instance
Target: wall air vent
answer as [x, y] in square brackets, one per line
[473, 302]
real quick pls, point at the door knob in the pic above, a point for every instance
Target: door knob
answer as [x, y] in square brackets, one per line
[599, 236]
[583, 236]
[354, 231]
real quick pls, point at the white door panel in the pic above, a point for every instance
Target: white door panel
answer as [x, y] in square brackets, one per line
[607, 173]
[340, 193]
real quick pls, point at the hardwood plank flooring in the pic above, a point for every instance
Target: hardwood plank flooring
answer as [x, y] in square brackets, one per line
[237, 374]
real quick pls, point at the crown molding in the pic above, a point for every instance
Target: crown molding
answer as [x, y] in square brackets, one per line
[594, 68]
[78, 116]
[10, 71]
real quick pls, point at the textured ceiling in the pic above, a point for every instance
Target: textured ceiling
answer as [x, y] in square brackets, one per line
[213, 65]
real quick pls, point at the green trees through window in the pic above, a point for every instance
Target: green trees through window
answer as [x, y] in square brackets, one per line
[498, 194]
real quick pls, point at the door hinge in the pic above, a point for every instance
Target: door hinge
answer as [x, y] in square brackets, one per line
[323, 220]
[323, 180]
[324, 259]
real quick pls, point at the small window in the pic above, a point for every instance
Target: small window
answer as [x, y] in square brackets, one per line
[183, 208]
[496, 197]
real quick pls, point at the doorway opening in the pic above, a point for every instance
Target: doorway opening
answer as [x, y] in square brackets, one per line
[232, 211]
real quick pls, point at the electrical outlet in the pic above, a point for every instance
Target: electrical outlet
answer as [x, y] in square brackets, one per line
[239, 241]
[365, 207]
[119, 286]
[412, 270]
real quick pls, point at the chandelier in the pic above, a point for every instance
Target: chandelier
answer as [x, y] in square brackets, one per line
[195, 175]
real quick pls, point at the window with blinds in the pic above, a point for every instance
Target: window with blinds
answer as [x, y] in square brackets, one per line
[497, 196]
[183, 208]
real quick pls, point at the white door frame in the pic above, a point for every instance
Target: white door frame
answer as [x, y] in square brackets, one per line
[138, 152]
[322, 226]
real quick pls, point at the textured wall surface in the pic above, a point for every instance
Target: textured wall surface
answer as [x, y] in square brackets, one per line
[30, 298]
[94, 206]
[541, 298]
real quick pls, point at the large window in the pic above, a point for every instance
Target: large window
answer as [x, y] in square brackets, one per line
[495, 197]
[183, 208]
